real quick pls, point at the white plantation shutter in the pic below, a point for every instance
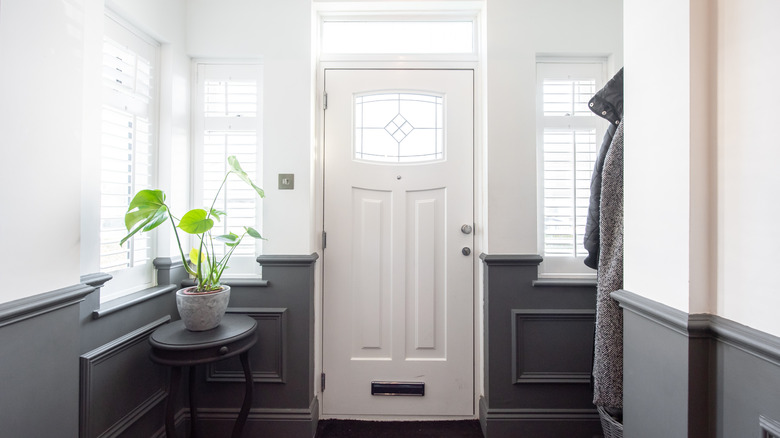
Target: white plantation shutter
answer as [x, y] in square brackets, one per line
[569, 156]
[569, 136]
[236, 199]
[567, 97]
[230, 98]
[128, 139]
[125, 168]
[228, 123]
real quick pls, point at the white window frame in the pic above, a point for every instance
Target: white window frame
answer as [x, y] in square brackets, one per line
[240, 266]
[548, 67]
[409, 36]
[134, 278]
[326, 15]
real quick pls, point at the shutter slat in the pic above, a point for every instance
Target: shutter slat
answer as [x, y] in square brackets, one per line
[568, 165]
[236, 199]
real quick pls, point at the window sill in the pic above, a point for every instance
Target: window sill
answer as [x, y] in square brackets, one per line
[566, 282]
[237, 282]
[130, 300]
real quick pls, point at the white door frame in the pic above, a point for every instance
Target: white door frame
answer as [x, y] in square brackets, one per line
[474, 9]
[480, 185]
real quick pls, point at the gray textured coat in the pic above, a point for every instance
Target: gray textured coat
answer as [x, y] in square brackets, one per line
[604, 243]
[608, 347]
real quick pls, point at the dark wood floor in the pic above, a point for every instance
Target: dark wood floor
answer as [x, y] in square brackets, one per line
[398, 429]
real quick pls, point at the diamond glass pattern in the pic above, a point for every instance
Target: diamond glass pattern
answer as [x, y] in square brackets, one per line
[414, 132]
[399, 128]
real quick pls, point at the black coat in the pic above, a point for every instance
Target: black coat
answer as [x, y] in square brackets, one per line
[608, 104]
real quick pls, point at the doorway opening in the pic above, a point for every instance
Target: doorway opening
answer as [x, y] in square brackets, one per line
[387, 222]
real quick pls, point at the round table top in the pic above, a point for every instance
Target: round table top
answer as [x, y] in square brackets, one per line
[175, 336]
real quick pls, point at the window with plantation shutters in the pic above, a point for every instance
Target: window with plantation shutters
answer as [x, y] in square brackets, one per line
[568, 137]
[228, 122]
[127, 148]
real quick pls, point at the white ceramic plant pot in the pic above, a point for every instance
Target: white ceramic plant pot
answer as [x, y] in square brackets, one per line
[202, 311]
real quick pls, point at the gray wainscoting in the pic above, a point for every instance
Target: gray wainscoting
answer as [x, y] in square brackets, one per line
[121, 392]
[282, 361]
[39, 374]
[696, 375]
[72, 367]
[538, 352]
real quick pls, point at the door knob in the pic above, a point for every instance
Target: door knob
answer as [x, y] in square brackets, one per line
[466, 229]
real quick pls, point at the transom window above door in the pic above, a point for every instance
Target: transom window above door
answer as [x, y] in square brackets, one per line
[398, 127]
[371, 36]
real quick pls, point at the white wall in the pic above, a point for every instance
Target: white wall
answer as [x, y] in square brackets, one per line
[701, 155]
[278, 33]
[40, 139]
[748, 154]
[518, 31]
[49, 128]
[657, 151]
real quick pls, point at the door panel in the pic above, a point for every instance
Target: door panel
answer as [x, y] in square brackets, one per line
[398, 290]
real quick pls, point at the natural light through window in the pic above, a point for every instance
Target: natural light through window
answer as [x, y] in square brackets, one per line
[229, 124]
[384, 37]
[568, 137]
[399, 127]
[128, 143]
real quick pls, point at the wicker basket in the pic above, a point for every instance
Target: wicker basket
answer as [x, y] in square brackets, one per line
[612, 429]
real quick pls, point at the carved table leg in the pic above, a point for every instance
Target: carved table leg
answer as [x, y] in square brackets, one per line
[193, 405]
[242, 416]
[173, 390]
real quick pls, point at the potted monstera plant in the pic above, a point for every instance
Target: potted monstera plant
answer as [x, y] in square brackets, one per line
[202, 306]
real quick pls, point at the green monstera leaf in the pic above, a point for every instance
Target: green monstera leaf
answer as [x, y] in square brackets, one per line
[252, 232]
[197, 256]
[236, 168]
[146, 212]
[230, 240]
[217, 214]
[196, 222]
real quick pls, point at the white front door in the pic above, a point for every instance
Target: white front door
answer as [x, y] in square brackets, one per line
[398, 268]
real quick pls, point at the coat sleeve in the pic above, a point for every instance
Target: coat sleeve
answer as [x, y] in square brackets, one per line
[607, 103]
[591, 240]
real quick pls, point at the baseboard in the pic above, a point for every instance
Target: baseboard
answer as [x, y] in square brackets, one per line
[538, 423]
[268, 423]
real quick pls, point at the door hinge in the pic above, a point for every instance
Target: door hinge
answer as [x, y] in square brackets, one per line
[324, 100]
[322, 382]
[324, 239]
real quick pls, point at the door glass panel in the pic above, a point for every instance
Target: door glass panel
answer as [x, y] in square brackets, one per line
[397, 37]
[399, 127]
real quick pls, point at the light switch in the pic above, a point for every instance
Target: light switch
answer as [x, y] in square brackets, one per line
[286, 181]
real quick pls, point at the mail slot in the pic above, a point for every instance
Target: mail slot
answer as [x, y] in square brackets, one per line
[398, 388]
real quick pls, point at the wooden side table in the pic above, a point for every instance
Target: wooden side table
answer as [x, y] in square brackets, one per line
[177, 347]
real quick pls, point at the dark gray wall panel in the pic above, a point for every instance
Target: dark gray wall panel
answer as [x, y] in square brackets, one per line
[655, 379]
[282, 361]
[262, 422]
[701, 378]
[542, 336]
[39, 344]
[538, 352]
[119, 384]
[696, 375]
[268, 357]
[748, 376]
[73, 367]
[769, 428]
[107, 329]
